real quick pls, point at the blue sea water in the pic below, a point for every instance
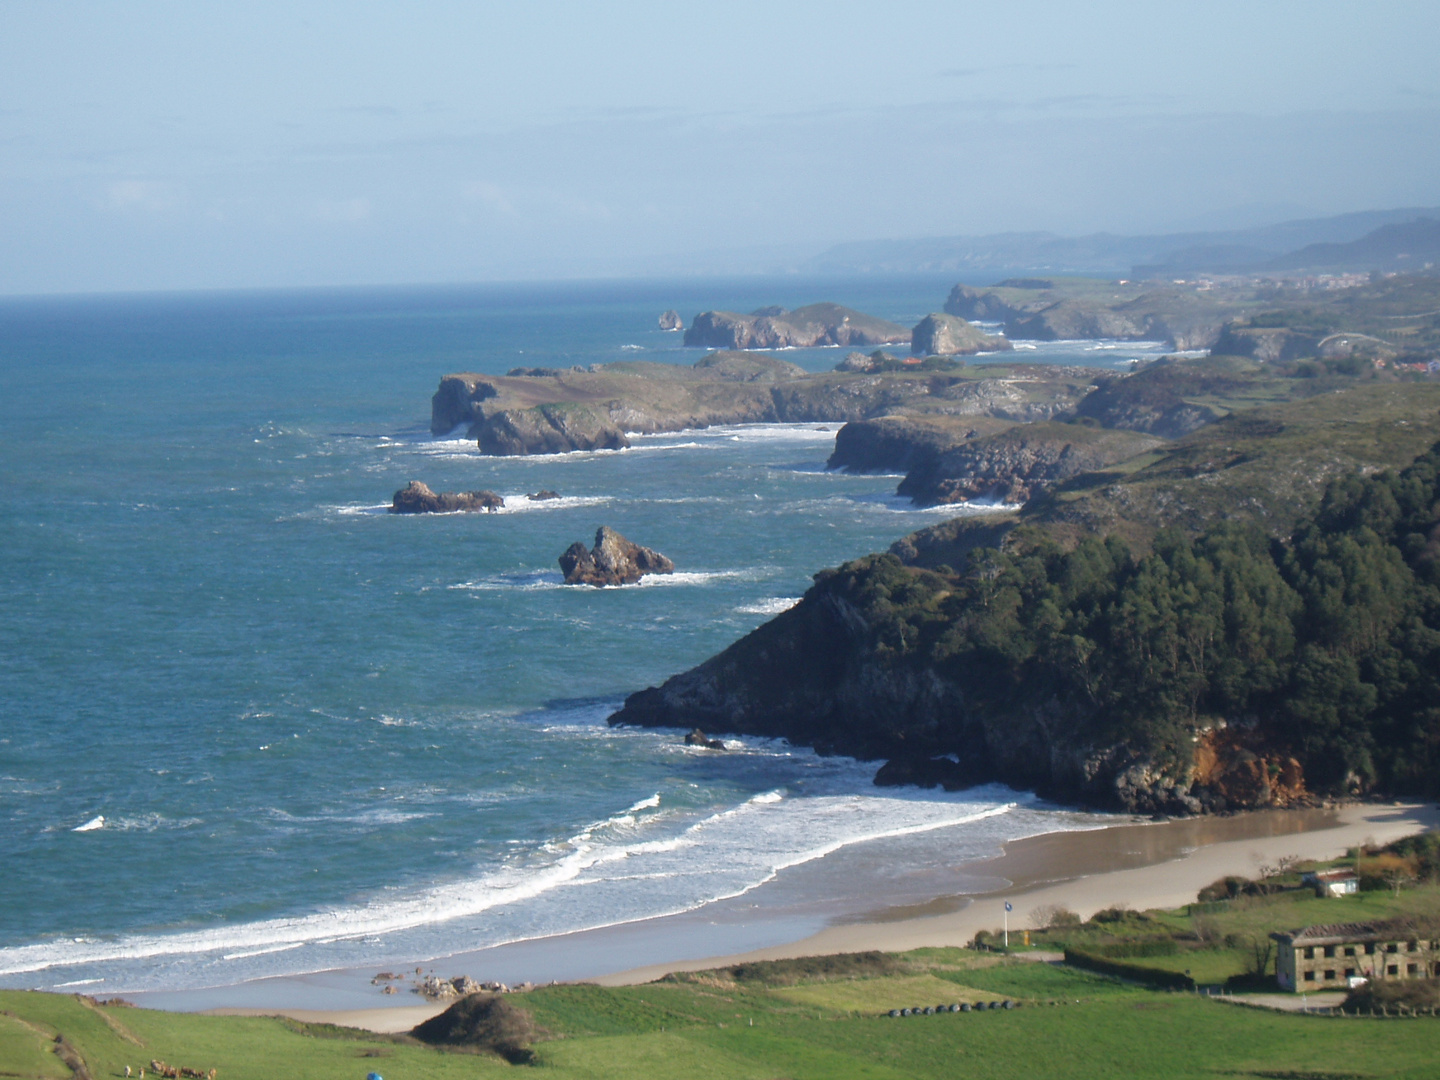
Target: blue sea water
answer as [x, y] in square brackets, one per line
[319, 734]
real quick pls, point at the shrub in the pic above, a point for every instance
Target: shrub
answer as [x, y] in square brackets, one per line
[1392, 993]
[1052, 917]
[481, 1022]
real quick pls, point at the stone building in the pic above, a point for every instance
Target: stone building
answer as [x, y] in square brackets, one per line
[1333, 957]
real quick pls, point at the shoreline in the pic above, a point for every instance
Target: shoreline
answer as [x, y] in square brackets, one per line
[1139, 865]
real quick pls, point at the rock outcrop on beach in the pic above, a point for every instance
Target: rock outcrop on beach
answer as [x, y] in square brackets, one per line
[776, 328]
[417, 498]
[940, 334]
[612, 561]
[1015, 465]
[670, 320]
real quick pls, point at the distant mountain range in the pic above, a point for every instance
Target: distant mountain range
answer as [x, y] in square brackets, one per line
[1405, 239]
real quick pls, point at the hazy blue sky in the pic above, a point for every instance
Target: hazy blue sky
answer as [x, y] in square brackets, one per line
[162, 145]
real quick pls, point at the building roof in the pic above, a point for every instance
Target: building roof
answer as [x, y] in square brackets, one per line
[1335, 932]
[1329, 876]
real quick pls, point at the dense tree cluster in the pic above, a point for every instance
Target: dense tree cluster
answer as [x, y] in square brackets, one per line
[1325, 645]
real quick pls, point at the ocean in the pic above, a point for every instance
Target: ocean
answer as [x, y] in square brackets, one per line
[251, 724]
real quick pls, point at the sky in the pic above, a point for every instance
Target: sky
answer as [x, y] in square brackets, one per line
[149, 145]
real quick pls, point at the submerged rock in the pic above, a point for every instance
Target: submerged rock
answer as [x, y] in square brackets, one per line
[542, 495]
[417, 498]
[699, 738]
[612, 561]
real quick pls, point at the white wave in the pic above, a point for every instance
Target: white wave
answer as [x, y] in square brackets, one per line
[633, 348]
[722, 854]
[549, 579]
[771, 605]
[152, 823]
[521, 503]
[96, 822]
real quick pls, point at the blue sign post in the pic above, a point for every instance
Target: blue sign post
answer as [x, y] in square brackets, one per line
[1008, 909]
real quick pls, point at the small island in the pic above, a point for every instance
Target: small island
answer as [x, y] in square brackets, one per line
[613, 560]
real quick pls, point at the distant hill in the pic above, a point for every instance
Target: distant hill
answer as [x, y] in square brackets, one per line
[1169, 254]
[1408, 246]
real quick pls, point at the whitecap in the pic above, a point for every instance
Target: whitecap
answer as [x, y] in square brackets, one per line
[771, 605]
[97, 822]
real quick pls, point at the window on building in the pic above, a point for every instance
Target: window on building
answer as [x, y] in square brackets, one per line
[1393, 969]
[1370, 948]
[1309, 976]
[1413, 946]
[1412, 969]
[1349, 973]
[1309, 952]
[1329, 951]
[1392, 947]
[1330, 975]
[1349, 950]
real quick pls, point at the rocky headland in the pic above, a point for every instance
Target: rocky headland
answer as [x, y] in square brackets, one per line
[777, 328]
[570, 410]
[417, 498]
[1078, 308]
[1056, 649]
[613, 560]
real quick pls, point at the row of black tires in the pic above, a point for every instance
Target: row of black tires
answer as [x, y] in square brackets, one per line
[964, 1006]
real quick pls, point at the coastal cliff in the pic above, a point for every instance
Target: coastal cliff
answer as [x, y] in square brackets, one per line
[1015, 465]
[777, 328]
[1151, 673]
[560, 411]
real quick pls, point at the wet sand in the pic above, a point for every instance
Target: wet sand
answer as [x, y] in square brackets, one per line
[1140, 866]
[1146, 865]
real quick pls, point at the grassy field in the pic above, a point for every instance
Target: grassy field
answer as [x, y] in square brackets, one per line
[1070, 1024]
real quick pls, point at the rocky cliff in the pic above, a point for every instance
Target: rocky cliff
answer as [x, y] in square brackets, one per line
[1015, 465]
[900, 443]
[776, 328]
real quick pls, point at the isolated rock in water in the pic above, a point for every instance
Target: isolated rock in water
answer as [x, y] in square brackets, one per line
[670, 320]
[612, 561]
[949, 335]
[699, 738]
[543, 494]
[417, 498]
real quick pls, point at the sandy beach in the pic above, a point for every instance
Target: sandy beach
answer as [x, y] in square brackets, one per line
[1149, 865]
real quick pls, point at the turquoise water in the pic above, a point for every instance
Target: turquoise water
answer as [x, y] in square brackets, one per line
[321, 734]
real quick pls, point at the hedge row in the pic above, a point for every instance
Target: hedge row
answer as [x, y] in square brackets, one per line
[1138, 972]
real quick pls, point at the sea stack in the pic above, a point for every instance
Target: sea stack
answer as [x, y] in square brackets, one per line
[670, 320]
[612, 561]
[417, 498]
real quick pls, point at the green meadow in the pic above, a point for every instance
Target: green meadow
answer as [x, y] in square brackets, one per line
[774, 1021]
